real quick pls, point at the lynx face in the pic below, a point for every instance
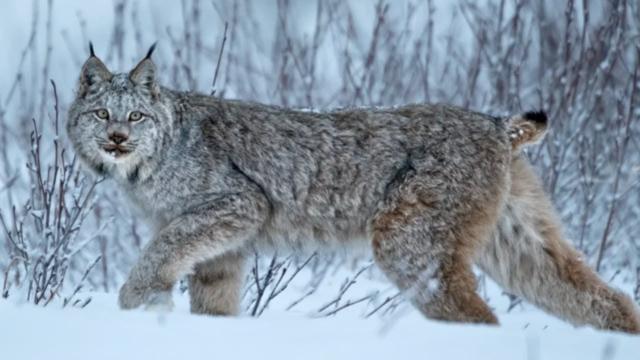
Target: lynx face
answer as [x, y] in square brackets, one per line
[117, 121]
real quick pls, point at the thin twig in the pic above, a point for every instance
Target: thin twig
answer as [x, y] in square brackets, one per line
[215, 74]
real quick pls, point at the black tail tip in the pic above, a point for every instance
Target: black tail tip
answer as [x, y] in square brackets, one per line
[92, 53]
[539, 117]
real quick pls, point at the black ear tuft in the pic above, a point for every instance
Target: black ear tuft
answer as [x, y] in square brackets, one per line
[150, 52]
[539, 116]
[93, 72]
[144, 74]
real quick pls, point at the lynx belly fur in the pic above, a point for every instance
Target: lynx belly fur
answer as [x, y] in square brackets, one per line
[432, 189]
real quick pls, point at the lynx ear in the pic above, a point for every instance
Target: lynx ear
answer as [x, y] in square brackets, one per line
[93, 72]
[144, 74]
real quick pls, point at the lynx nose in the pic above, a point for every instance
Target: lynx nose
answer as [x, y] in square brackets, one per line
[118, 137]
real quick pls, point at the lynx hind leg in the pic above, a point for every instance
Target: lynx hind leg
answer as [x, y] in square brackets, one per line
[529, 257]
[426, 249]
[215, 285]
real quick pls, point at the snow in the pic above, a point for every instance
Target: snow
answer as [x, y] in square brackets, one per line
[101, 331]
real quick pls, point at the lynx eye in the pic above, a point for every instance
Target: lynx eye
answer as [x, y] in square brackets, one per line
[135, 116]
[102, 114]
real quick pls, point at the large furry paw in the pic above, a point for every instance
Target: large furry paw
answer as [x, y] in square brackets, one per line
[132, 296]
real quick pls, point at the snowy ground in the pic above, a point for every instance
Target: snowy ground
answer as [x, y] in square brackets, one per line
[101, 331]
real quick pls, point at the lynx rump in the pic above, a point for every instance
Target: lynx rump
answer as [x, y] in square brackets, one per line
[432, 189]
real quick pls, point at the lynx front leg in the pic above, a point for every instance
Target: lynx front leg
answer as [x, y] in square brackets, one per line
[224, 225]
[214, 287]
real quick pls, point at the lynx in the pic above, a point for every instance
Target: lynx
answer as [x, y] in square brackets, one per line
[431, 189]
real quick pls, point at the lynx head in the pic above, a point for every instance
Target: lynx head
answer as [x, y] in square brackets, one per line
[117, 122]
